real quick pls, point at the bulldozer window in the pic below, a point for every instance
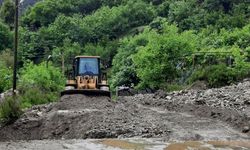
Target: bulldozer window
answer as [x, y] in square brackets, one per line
[88, 66]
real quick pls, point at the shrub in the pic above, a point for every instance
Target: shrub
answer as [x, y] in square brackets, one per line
[220, 75]
[156, 63]
[39, 85]
[36, 96]
[47, 79]
[5, 78]
[10, 110]
[215, 75]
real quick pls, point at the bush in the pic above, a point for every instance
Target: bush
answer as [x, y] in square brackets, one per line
[35, 96]
[39, 85]
[5, 77]
[47, 79]
[156, 63]
[10, 110]
[215, 75]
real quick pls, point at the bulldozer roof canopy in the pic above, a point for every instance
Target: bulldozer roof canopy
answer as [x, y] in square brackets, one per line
[87, 57]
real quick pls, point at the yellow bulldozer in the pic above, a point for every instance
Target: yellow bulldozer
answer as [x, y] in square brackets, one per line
[86, 78]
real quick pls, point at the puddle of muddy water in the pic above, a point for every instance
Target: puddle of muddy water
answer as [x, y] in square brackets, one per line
[124, 144]
[210, 145]
[133, 144]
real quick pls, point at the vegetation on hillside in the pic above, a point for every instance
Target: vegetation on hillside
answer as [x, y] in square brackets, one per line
[143, 43]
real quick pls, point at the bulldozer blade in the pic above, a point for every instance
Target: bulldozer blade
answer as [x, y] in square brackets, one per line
[86, 92]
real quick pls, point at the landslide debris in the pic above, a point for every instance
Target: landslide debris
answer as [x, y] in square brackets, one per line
[81, 117]
[213, 114]
[236, 97]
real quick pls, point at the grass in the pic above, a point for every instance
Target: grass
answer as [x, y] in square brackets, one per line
[10, 110]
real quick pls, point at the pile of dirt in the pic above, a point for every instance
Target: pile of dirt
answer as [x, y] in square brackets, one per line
[183, 115]
[68, 118]
[81, 117]
[240, 120]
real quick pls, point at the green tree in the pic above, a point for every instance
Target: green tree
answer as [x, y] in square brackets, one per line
[45, 12]
[105, 50]
[5, 37]
[7, 12]
[123, 70]
[32, 46]
[156, 63]
[106, 24]
[66, 54]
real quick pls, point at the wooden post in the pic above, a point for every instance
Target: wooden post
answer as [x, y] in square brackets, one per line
[15, 48]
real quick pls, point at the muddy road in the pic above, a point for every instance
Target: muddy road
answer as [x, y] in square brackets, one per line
[178, 116]
[123, 144]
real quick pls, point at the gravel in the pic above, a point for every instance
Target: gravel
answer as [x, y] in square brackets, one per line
[236, 97]
[213, 114]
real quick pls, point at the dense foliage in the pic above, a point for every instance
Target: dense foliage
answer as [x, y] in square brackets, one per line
[142, 43]
[39, 84]
[7, 12]
[156, 62]
[5, 37]
[6, 65]
[5, 77]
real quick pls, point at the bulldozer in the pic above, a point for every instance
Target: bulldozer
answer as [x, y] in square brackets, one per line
[86, 78]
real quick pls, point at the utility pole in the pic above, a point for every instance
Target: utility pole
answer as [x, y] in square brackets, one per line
[15, 47]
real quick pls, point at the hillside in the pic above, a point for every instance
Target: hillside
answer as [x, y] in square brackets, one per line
[164, 44]
[25, 4]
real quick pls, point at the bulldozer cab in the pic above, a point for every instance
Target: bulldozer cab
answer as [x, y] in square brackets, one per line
[87, 66]
[87, 77]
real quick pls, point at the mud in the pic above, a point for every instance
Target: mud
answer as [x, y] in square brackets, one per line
[124, 144]
[140, 116]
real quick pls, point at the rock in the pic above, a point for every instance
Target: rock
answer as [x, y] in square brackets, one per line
[247, 111]
[247, 102]
[160, 94]
[247, 79]
[200, 102]
[168, 97]
[222, 104]
[246, 129]
[209, 92]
